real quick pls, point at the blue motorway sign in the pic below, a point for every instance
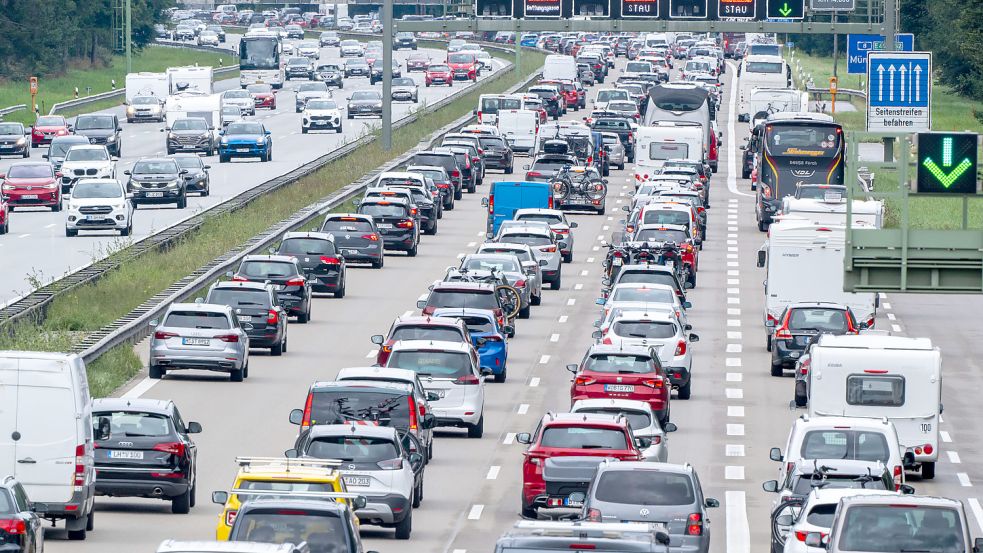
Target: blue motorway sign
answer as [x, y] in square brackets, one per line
[899, 91]
[857, 47]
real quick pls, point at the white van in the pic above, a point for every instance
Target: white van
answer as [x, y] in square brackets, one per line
[490, 104]
[776, 100]
[832, 211]
[656, 40]
[654, 144]
[147, 84]
[759, 72]
[46, 439]
[520, 128]
[804, 262]
[559, 68]
[878, 376]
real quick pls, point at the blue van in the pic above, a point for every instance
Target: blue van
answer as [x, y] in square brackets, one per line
[508, 196]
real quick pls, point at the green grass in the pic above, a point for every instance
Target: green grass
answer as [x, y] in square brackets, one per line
[59, 88]
[90, 307]
[926, 212]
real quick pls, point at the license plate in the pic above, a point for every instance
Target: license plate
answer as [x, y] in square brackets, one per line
[440, 393]
[384, 225]
[245, 318]
[116, 454]
[362, 481]
[619, 388]
[349, 252]
[30, 196]
[196, 341]
[155, 194]
[242, 149]
[617, 262]
[91, 217]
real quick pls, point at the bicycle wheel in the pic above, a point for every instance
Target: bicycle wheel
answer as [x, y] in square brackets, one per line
[509, 299]
[561, 189]
[596, 190]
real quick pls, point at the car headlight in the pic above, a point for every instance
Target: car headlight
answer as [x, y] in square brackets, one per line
[225, 140]
[173, 183]
[118, 206]
[260, 141]
[171, 136]
[21, 141]
[131, 110]
[111, 138]
[377, 104]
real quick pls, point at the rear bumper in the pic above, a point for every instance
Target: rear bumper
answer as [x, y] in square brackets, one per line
[784, 353]
[399, 241]
[383, 509]
[163, 488]
[457, 416]
[678, 376]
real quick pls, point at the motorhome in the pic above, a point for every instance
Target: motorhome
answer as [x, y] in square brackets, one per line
[758, 71]
[662, 141]
[194, 104]
[197, 78]
[147, 84]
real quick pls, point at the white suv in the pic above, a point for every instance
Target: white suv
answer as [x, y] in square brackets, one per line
[452, 371]
[86, 161]
[99, 204]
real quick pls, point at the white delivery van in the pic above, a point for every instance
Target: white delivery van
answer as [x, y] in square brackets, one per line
[878, 376]
[558, 67]
[46, 439]
[832, 211]
[662, 141]
[656, 40]
[147, 84]
[759, 72]
[194, 104]
[803, 261]
[190, 78]
[519, 127]
[489, 104]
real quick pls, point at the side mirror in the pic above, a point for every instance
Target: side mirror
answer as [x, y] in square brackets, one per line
[220, 498]
[421, 304]
[291, 454]
[165, 129]
[784, 520]
[573, 224]
[484, 202]
[183, 172]
[127, 172]
[643, 443]
[429, 420]
[693, 338]
[978, 545]
[864, 326]
[415, 458]
[296, 416]
[775, 454]
[221, 132]
[433, 396]
[360, 502]
[626, 209]
[711, 503]
[523, 438]
[762, 257]
[688, 327]
[486, 371]
[562, 244]
[378, 339]
[905, 489]
[770, 323]
[572, 368]
[670, 427]
[508, 329]
[770, 486]
[194, 428]
[597, 335]
[687, 305]
[267, 133]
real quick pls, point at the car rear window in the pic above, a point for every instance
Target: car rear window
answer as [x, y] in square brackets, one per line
[550, 218]
[548, 165]
[284, 486]
[666, 217]
[426, 332]
[804, 484]
[130, 424]
[644, 329]
[845, 444]
[6, 502]
[383, 210]
[267, 269]
[645, 487]
[478, 324]
[239, 297]
[195, 319]
[462, 298]
[492, 142]
[388, 408]
[527, 239]
[660, 235]
[346, 225]
[822, 515]
[439, 364]
[620, 364]
[637, 420]
[646, 277]
[818, 319]
[583, 437]
[651, 295]
[902, 528]
[309, 246]
[321, 530]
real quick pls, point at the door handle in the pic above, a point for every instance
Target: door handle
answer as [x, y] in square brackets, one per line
[27, 460]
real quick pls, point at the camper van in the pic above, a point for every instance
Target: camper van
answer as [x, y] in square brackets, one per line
[190, 78]
[832, 211]
[757, 71]
[662, 141]
[194, 104]
[147, 84]
[879, 376]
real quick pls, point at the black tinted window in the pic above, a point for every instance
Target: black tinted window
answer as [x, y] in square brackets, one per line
[341, 406]
[306, 246]
[426, 332]
[645, 487]
[584, 437]
[194, 319]
[452, 298]
[241, 297]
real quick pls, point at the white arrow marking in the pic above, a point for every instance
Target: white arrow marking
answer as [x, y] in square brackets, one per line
[880, 83]
[917, 71]
[904, 71]
[890, 80]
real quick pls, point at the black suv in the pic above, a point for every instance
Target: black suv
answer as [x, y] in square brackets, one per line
[469, 179]
[191, 134]
[395, 222]
[102, 129]
[157, 181]
[498, 154]
[257, 304]
[318, 257]
[20, 524]
[356, 237]
[143, 448]
[404, 40]
[292, 287]
[299, 67]
[444, 159]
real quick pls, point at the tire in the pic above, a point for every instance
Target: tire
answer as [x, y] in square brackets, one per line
[68, 232]
[745, 174]
[234, 376]
[621, 166]
[277, 350]
[509, 170]
[478, 429]
[777, 370]
[340, 293]
[126, 231]
[528, 512]
[156, 372]
[458, 194]
[90, 522]
[418, 495]
[762, 226]
[379, 264]
[472, 187]
[194, 493]
[413, 251]
[800, 394]
[524, 312]
[181, 505]
[338, 130]
[536, 300]
[76, 535]
[768, 343]
[500, 378]
[207, 190]
[568, 257]
[405, 526]
[304, 317]
[685, 391]
[303, 130]
[928, 470]
[182, 201]
[555, 285]
[57, 207]
[223, 159]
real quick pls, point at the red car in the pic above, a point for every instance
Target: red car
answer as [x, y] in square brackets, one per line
[263, 95]
[47, 127]
[444, 329]
[609, 372]
[32, 183]
[439, 74]
[569, 93]
[4, 216]
[464, 67]
[565, 435]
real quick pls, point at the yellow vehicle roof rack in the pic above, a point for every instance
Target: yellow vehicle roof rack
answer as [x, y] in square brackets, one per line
[286, 463]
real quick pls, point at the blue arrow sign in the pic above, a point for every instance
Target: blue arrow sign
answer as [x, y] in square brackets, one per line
[899, 91]
[857, 47]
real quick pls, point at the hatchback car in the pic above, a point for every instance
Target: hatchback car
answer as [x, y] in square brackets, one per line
[799, 323]
[245, 139]
[257, 304]
[497, 153]
[547, 248]
[197, 178]
[321, 114]
[157, 181]
[438, 73]
[417, 62]
[21, 527]
[318, 258]
[199, 336]
[309, 91]
[356, 67]
[633, 373]
[441, 179]
[430, 327]
[395, 224]
[143, 448]
[15, 140]
[47, 127]
[32, 184]
[487, 337]
[642, 420]
[503, 266]
[329, 38]
[356, 237]
[292, 287]
[558, 223]
[264, 96]
[460, 295]
[99, 204]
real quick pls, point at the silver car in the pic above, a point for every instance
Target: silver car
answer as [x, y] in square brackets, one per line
[531, 265]
[509, 266]
[543, 240]
[352, 48]
[308, 91]
[241, 99]
[405, 89]
[557, 220]
[200, 336]
[643, 421]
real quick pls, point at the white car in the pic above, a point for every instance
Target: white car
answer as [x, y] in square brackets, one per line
[86, 161]
[816, 515]
[241, 99]
[208, 38]
[405, 89]
[99, 204]
[452, 371]
[321, 114]
[543, 241]
[309, 50]
[641, 419]
[352, 48]
[645, 295]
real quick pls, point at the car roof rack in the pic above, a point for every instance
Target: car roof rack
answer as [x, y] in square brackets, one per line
[286, 463]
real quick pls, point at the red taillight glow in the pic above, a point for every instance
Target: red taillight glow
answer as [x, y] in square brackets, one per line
[468, 380]
[534, 174]
[330, 260]
[161, 335]
[174, 448]
[79, 477]
[230, 517]
[584, 381]
[238, 278]
[371, 237]
[272, 317]
[306, 420]
[405, 224]
[898, 477]
[681, 348]
[295, 282]
[520, 284]
[694, 524]
[412, 406]
[653, 382]
[228, 338]
[13, 526]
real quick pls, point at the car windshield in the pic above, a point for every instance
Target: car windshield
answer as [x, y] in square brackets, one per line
[898, 528]
[267, 269]
[312, 87]
[322, 104]
[460, 58]
[144, 100]
[502, 264]
[645, 487]
[819, 320]
[260, 89]
[188, 162]
[366, 95]
[660, 235]
[462, 298]
[244, 128]
[609, 95]
[328, 67]
[438, 68]
[239, 297]
[362, 449]
[637, 420]
[97, 190]
[131, 424]
[584, 437]
[189, 125]
[155, 167]
[658, 330]
[346, 225]
[438, 364]
[197, 319]
[94, 122]
[845, 444]
[59, 148]
[11, 128]
[383, 210]
[54, 121]
[619, 363]
[87, 154]
[323, 532]
[527, 239]
[358, 63]
[306, 246]
[642, 294]
[492, 142]
[31, 171]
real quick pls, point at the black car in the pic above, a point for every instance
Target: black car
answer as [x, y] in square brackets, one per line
[498, 154]
[322, 526]
[472, 145]
[375, 74]
[21, 530]
[329, 38]
[299, 67]
[318, 257]
[365, 102]
[197, 178]
[440, 178]
[404, 40]
[355, 237]
[295, 31]
[545, 166]
[283, 272]
[157, 181]
[331, 74]
[551, 100]
[101, 129]
[423, 202]
[620, 126]
[15, 140]
[444, 159]
[191, 134]
[255, 303]
[396, 224]
[799, 323]
[356, 67]
[469, 178]
[143, 448]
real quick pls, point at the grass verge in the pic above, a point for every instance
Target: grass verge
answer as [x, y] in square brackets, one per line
[92, 306]
[52, 90]
[927, 212]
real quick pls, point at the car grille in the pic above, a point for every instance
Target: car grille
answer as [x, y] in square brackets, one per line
[322, 118]
[95, 209]
[188, 140]
[97, 140]
[83, 172]
[161, 184]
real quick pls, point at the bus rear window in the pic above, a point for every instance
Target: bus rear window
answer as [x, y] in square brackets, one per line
[878, 391]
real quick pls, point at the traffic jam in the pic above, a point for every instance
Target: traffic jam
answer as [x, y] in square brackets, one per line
[585, 204]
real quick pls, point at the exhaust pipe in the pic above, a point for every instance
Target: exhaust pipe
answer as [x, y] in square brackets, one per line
[158, 491]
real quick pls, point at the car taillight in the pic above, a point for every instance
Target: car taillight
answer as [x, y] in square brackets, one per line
[79, 475]
[550, 249]
[653, 382]
[520, 284]
[371, 237]
[929, 449]
[694, 524]
[584, 380]
[306, 419]
[228, 338]
[272, 317]
[549, 202]
[405, 224]
[594, 515]
[412, 405]
[455, 173]
[493, 338]
[468, 380]
[330, 260]
[681, 348]
[238, 278]
[607, 341]
[161, 335]
[631, 137]
[13, 526]
[898, 477]
[174, 448]
[801, 536]
[391, 464]
[534, 174]
[479, 116]
[414, 211]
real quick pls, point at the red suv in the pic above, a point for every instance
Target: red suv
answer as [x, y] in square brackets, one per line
[439, 74]
[463, 66]
[4, 216]
[31, 184]
[47, 127]
[565, 435]
[443, 329]
[570, 93]
[615, 372]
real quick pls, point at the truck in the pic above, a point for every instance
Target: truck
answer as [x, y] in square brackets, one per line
[191, 77]
[881, 376]
[147, 84]
[194, 104]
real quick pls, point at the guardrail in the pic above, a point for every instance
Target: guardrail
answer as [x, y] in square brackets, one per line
[819, 91]
[12, 109]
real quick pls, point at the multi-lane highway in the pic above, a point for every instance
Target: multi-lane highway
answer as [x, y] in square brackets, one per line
[37, 236]
[736, 413]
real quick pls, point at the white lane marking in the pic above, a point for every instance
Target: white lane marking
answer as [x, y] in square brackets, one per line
[407, 313]
[732, 255]
[23, 236]
[460, 551]
[735, 311]
[472, 244]
[964, 480]
[533, 382]
[585, 272]
[509, 438]
[732, 472]
[571, 301]
[140, 389]
[734, 348]
[590, 259]
[596, 248]
[735, 429]
[733, 282]
[562, 319]
[953, 457]
[734, 450]
[945, 436]
[732, 186]
[886, 305]
[606, 227]
[733, 322]
[732, 242]
[493, 472]
[738, 533]
[481, 235]
[544, 359]
[49, 226]
[734, 291]
[735, 411]
[883, 295]
[941, 419]
[734, 300]
[896, 328]
[731, 229]
[732, 200]
[370, 354]
[523, 409]
[731, 235]
[735, 377]
[892, 317]
[578, 286]
[475, 513]
[600, 237]
[734, 393]
[734, 335]
[732, 263]
[733, 272]
[610, 218]
[974, 505]
[554, 337]
[733, 361]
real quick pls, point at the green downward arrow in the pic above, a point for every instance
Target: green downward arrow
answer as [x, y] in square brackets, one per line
[785, 10]
[946, 179]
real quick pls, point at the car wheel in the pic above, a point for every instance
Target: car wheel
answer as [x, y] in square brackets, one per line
[223, 159]
[277, 350]
[156, 372]
[207, 189]
[181, 505]
[340, 293]
[413, 251]
[477, 429]
[686, 390]
[418, 495]
[524, 312]
[57, 207]
[194, 493]
[529, 512]
[768, 343]
[338, 130]
[458, 194]
[568, 257]
[304, 317]
[776, 368]
[500, 377]
[508, 171]
[405, 526]
[236, 375]
[182, 201]
[379, 264]
[621, 166]
[125, 231]
[27, 152]
[800, 394]
[303, 130]
[555, 285]
[762, 226]
[536, 300]
[432, 229]
[68, 232]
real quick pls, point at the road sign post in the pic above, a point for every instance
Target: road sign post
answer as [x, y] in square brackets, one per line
[786, 9]
[899, 91]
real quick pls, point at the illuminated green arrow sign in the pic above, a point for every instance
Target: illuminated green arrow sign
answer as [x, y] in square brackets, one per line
[947, 163]
[785, 10]
[946, 179]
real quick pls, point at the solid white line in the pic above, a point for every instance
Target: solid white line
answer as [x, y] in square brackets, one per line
[734, 393]
[732, 186]
[544, 359]
[475, 513]
[734, 450]
[734, 348]
[896, 328]
[974, 506]
[554, 337]
[562, 319]
[523, 409]
[735, 429]
[732, 472]
[509, 438]
[735, 411]
[735, 377]
[571, 301]
[371, 354]
[738, 534]
[141, 388]
[953, 457]
[945, 436]
[493, 472]
[964, 480]
[533, 382]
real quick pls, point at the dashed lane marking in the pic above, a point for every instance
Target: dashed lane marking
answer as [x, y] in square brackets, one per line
[734, 393]
[953, 457]
[571, 301]
[734, 450]
[732, 472]
[896, 328]
[964, 480]
[475, 513]
[735, 377]
[735, 429]
[734, 335]
[533, 382]
[493, 472]
[733, 322]
[523, 409]
[734, 311]
[544, 359]
[509, 438]
[585, 272]
[734, 348]
[733, 362]
[945, 436]
[562, 319]
[736, 411]
[554, 337]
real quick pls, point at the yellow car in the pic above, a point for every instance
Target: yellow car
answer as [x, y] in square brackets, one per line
[272, 476]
